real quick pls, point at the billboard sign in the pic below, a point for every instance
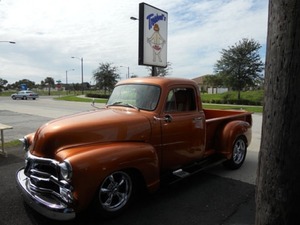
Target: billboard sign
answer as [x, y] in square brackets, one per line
[153, 34]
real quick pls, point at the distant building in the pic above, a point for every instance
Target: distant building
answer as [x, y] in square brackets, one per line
[205, 88]
[201, 83]
[218, 90]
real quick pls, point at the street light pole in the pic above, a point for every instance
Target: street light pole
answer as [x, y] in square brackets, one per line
[66, 86]
[67, 75]
[127, 70]
[11, 42]
[82, 75]
[81, 60]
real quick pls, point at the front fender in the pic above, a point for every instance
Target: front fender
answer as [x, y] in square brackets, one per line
[229, 133]
[91, 164]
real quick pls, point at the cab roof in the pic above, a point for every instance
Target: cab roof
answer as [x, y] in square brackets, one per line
[160, 81]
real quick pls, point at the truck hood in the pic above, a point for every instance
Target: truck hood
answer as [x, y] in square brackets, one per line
[104, 125]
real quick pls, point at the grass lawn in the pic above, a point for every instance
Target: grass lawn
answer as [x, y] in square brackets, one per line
[13, 143]
[256, 109]
[74, 98]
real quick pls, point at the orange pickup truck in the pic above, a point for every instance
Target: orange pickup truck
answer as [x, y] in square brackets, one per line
[152, 129]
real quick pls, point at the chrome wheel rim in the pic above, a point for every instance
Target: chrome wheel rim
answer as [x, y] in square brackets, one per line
[239, 151]
[115, 191]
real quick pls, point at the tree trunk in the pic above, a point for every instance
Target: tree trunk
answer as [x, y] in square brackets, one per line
[278, 174]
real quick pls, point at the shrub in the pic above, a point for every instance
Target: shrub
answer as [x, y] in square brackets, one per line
[94, 95]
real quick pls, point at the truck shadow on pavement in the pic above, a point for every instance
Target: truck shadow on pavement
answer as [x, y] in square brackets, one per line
[200, 199]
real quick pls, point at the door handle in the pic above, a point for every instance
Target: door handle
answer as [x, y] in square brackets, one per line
[167, 118]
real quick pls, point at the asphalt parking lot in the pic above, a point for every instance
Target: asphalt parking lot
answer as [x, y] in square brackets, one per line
[205, 198]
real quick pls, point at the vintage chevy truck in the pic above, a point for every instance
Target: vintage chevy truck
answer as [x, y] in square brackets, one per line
[151, 128]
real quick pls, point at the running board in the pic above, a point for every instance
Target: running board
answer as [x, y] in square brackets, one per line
[181, 173]
[187, 171]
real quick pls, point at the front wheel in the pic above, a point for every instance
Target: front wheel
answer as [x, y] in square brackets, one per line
[114, 193]
[239, 152]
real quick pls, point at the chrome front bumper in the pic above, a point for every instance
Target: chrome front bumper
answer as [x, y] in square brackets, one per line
[46, 205]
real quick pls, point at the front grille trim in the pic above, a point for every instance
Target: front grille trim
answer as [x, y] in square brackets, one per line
[43, 181]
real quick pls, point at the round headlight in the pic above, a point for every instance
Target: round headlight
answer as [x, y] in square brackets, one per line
[65, 170]
[25, 143]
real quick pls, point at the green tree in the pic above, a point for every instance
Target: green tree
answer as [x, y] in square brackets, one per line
[240, 65]
[75, 87]
[2, 83]
[48, 82]
[106, 76]
[29, 84]
[161, 71]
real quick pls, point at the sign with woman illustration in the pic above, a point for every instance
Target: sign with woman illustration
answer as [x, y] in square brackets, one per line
[153, 32]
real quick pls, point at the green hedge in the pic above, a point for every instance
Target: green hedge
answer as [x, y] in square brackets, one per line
[247, 98]
[95, 95]
[233, 101]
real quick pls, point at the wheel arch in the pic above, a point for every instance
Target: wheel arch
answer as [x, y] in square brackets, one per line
[92, 164]
[229, 133]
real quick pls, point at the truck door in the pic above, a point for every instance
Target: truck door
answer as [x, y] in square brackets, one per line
[183, 129]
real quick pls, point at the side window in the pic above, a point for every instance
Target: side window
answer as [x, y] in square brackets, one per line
[181, 100]
[171, 103]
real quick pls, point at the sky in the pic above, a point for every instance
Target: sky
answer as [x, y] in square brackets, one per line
[49, 32]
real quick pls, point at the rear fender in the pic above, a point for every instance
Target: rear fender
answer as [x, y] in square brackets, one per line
[91, 164]
[229, 133]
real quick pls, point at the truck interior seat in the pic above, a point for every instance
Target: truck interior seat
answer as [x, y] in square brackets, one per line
[182, 100]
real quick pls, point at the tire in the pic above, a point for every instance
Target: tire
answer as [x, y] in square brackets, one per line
[14, 98]
[239, 151]
[114, 194]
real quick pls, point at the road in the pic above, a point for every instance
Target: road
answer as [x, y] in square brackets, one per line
[27, 116]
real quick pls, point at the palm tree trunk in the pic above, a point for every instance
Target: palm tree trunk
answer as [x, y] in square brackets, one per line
[278, 174]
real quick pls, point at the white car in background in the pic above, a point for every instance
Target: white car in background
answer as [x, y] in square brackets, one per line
[25, 95]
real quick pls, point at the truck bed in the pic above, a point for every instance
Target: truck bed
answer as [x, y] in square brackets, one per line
[216, 119]
[213, 114]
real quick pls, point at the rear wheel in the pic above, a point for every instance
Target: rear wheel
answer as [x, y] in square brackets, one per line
[115, 193]
[239, 152]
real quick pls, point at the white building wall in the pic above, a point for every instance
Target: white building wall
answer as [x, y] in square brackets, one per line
[216, 90]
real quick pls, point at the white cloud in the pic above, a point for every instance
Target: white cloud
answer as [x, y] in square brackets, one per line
[48, 33]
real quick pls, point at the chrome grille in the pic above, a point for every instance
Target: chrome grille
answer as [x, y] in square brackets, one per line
[43, 174]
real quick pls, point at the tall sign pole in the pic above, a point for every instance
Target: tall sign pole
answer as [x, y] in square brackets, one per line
[153, 36]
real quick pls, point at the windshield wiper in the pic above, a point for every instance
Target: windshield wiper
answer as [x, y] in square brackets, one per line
[124, 104]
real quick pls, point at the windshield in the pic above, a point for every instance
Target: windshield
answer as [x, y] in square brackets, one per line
[141, 96]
